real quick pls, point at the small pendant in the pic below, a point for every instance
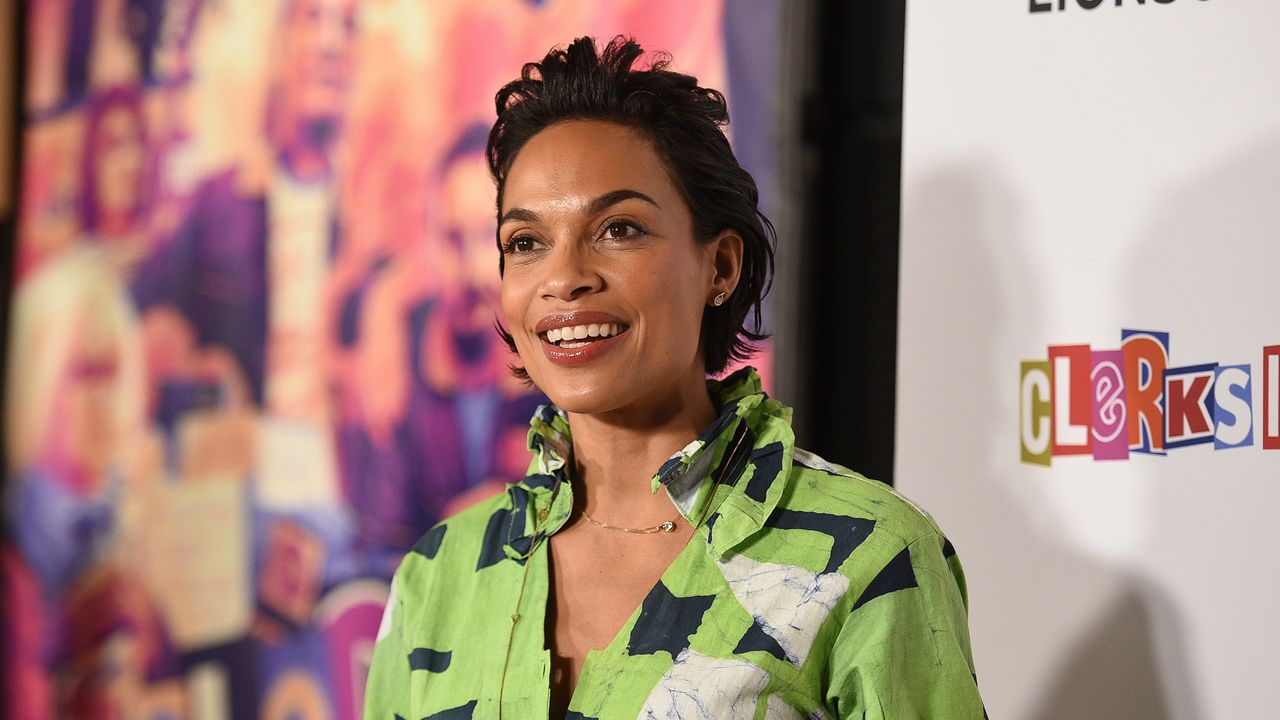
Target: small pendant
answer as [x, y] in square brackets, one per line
[668, 526]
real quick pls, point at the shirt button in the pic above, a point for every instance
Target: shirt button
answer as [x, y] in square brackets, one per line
[542, 514]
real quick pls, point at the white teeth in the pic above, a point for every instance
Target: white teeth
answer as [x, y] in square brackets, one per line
[564, 335]
[574, 344]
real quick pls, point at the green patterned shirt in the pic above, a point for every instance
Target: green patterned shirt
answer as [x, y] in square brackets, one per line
[808, 592]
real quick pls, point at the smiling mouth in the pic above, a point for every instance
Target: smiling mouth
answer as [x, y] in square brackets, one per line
[576, 336]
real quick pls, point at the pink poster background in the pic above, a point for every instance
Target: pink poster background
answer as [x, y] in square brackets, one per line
[252, 355]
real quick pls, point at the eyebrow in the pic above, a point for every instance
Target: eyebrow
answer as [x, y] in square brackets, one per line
[594, 207]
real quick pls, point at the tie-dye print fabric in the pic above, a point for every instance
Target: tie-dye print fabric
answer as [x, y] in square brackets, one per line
[809, 592]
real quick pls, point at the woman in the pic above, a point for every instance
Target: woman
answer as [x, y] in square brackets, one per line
[761, 580]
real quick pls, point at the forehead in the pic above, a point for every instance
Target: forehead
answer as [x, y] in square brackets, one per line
[583, 159]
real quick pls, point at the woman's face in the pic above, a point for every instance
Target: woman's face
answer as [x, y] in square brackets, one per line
[598, 240]
[119, 165]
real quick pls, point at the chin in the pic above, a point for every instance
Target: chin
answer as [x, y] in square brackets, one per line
[580, 392]
[583, 405]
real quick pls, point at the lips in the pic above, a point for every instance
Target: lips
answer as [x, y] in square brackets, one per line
[577, 338]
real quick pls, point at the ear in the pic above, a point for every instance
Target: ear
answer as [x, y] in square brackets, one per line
[726, 261]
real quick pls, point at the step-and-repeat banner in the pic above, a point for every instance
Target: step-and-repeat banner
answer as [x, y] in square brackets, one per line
[1089, 379]
[252, 354]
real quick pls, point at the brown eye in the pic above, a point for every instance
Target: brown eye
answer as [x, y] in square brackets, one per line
[620, 229]
[521, 244]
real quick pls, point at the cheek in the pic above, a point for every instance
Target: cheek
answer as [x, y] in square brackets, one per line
[513, 302]
[680, 291]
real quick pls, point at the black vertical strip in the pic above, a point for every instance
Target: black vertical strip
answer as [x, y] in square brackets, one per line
[12, 24]
[853, 132]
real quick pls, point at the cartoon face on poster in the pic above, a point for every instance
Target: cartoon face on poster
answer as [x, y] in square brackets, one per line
[252, 347]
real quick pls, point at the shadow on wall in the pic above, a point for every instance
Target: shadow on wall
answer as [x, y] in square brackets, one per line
[1114, 670]
[1216, 230]
[1116, 636]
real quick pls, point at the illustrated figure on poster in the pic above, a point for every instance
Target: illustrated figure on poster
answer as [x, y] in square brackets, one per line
[77, 454]
[462, 433]
[234, 311]
[115, 197]
[468, 411]
[245, 234]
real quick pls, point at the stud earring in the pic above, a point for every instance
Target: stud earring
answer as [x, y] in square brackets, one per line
[719, 299]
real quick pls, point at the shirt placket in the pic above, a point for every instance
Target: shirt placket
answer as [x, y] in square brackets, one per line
[524, 683]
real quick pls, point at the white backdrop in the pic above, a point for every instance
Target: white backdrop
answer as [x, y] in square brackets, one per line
[1068, 174]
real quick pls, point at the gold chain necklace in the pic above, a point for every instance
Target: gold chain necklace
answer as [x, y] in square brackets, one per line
[666, 527]
[670, 525]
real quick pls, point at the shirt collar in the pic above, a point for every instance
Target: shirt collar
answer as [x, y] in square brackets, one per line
[748, 447]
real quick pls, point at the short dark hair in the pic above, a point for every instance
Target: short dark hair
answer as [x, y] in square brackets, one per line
[684, 122]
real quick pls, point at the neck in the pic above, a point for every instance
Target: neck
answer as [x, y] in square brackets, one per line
[616, 454]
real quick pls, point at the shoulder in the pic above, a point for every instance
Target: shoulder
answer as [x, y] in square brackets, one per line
[829, 519]
[901, 638]
[817, 485]
[880, 541]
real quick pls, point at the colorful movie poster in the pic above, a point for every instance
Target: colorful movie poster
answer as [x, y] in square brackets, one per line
[252, 346]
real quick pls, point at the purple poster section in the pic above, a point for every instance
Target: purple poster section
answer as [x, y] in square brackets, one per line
[252, 348]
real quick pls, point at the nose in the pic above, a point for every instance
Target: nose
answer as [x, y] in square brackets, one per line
[570, 273]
